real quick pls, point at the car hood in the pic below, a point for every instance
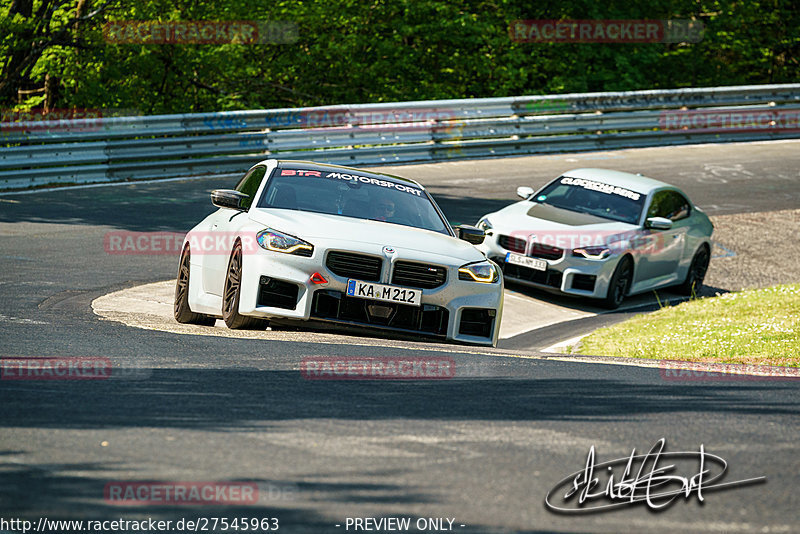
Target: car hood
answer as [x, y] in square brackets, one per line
[311, 226]
[528, 216]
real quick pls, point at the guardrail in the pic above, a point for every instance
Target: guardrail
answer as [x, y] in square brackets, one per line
[37, 153]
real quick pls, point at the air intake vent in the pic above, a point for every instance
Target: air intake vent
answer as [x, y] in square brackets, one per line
[351, 265]
[514, 244]
[418, 275]
[546, 252]
[277, 293]
[477, 322]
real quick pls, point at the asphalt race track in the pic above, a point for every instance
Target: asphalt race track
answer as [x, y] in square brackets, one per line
[482, 448]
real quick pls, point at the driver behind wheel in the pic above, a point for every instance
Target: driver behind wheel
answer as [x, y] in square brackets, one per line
[382, 210]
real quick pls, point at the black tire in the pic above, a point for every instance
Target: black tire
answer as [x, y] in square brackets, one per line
[231, 295]
[619, 285]
[697, 273]
[184, 314]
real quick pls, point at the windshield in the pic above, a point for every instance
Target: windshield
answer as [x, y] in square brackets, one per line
[352, 195]
[595, 198]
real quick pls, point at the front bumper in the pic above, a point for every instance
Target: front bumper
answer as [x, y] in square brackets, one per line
[568, 274]
[276, 285]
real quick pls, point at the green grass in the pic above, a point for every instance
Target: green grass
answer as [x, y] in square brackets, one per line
[756, 326]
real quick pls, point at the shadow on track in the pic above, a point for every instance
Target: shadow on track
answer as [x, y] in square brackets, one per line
[241, 399]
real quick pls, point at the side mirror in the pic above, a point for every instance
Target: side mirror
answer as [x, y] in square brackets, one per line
[658, 223]
[229, 198]
[524, 192]
[470, 234]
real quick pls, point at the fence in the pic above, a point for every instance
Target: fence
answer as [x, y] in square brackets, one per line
[40, 152]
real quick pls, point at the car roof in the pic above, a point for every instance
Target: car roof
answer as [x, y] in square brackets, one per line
[632, 182]
[314, 166]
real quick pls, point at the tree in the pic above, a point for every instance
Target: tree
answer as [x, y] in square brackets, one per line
[30, 32]
[350, 51]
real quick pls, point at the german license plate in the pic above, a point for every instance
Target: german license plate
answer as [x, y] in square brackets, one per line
[369, 290]
[525, 261]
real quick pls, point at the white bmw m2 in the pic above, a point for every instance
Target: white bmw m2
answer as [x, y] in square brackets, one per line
[302, 241]
[601, 234]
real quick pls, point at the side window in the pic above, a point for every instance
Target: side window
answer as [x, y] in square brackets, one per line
[681, 206]
[670, 205]
[249, 184]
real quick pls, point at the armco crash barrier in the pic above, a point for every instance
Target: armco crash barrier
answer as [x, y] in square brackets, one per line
[38, 150]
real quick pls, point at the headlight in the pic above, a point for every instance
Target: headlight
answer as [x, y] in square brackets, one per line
[592, 253]
[484, 224]
[270, 239]
[483, 272]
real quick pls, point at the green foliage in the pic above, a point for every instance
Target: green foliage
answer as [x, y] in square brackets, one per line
[371, 51]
